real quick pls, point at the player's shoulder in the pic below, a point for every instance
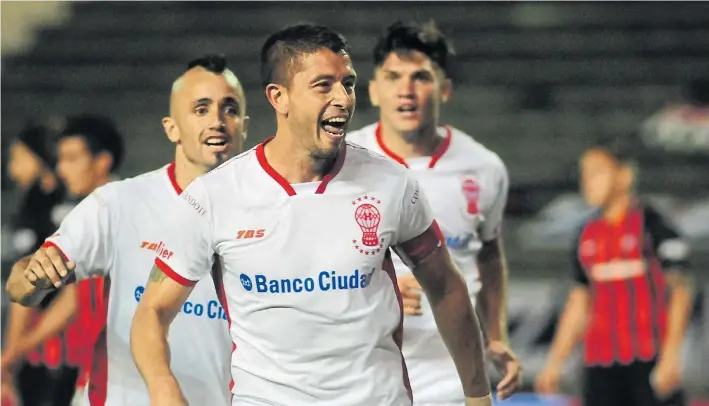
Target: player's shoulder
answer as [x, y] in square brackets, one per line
[365, 136]
[237, 164]
[466, 148]
[117, 190]
[365, 158]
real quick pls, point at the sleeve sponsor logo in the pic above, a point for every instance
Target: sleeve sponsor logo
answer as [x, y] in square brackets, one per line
[159, 248]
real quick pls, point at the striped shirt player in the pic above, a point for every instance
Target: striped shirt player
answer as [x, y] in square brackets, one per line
[466, 185]
[114, 233]
[623, 263]
[307, 282]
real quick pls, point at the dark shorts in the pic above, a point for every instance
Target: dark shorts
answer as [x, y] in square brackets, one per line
[624, 385]
[40, 386]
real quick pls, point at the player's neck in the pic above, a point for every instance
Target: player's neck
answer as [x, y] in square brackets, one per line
[295, 163]
[186, 172]
[617, 208]
[102, 181]
[423, 143]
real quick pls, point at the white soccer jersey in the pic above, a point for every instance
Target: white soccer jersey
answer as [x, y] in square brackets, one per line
[114, 232]
[467, 188]
[314, 311]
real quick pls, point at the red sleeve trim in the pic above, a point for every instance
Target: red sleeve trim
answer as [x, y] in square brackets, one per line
[48, 244]
[173, 275]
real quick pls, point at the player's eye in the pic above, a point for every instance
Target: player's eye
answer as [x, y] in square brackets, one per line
[201, 110]
[231, 111]
[423, 77]
[349, 86]
[323, 87]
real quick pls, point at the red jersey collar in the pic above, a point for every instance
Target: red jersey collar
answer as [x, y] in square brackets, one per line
[442, 147]
[261, 156]
[173, 178]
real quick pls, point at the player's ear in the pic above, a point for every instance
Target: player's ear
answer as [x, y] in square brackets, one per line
[446, 90]
[171, 129]
[103, 162]
[245, 126]
[373, 96]
[277, 95]
[626, 176]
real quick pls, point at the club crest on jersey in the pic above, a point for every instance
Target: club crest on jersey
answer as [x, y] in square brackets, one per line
[471, 191]
[367, 217]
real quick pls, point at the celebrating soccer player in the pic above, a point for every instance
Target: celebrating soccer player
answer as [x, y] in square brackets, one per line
[300, 227]
[115, 232]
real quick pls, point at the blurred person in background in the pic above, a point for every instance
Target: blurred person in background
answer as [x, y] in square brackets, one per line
[90, 148]
[113, 233]
[90, 151]
[467, 185]
[632, 300]
[30, 164]
[30, 167]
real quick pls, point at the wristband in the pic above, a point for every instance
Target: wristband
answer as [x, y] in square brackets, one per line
[483, 401]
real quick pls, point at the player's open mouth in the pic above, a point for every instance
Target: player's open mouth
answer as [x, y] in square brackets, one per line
[217, 143]
[408, 110]
[334, 126]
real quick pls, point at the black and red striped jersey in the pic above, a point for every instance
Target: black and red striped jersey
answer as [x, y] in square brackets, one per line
[624, 264]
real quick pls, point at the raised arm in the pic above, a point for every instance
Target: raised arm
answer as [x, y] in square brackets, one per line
[82, 247]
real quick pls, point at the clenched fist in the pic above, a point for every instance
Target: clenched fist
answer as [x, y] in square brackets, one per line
[410, 293]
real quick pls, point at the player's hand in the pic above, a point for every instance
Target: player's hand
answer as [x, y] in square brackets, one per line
[666, 377]
[547, 382]
[47, 269]
[410, 293]
[508, 364]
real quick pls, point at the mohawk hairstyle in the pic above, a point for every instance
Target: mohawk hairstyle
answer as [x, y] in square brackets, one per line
[410, 36]
[215, 63]
[282, 49]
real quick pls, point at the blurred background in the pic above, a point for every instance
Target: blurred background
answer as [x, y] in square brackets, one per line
[535, 82]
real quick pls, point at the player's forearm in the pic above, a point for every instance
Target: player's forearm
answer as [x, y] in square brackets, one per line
[151, 351]
[679, 310]
[571, 326]
[54, 320]
[20, 320]
[460, 329]
[493, 296]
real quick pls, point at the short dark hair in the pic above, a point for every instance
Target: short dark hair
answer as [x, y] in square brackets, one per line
[410, 36]
[99, 133]
[281, 50]
[38, 138]
[215, 63]
[621, 149]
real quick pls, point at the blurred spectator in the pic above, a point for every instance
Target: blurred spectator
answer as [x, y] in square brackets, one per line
[58, 347]
[681, 127]
[30, 168]
[90, 151]
[632, 301]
